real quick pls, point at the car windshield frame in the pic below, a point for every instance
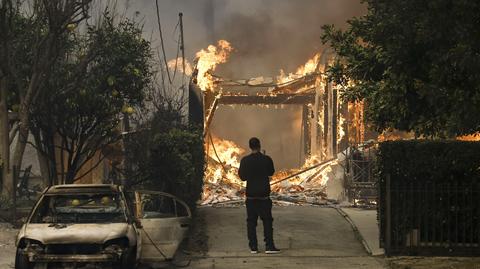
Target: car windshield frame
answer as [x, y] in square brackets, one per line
[80, 208]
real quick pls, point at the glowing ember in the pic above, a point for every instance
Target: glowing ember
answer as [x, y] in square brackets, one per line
[308, 68]
[178, 63]
[474, 137]
[208, 60]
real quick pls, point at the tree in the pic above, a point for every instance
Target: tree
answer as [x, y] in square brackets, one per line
[164, 153]
[415, 63]
[102, 74]
[47, 25]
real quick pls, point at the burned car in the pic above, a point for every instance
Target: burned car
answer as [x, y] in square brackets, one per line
[101, 225]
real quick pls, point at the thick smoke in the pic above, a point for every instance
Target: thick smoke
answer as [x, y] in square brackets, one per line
[267, 35]
[272, 34]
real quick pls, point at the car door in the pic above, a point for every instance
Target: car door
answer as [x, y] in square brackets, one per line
[164, 223]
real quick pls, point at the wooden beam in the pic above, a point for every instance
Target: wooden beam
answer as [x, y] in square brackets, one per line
[334, 121]
[326, 122]
[302, 171]
[298, 99]
[314, 124]
[306, 130]
[302, 85]
[209, 118]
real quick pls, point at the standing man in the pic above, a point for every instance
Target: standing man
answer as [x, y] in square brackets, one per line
[256, 169]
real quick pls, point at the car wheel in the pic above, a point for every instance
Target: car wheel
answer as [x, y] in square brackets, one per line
[128, 259]
[21, 261]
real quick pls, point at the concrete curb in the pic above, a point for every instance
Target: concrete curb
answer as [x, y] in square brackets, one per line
[355, 230]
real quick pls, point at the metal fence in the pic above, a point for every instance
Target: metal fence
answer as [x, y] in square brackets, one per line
[430, 218]
[359, 182]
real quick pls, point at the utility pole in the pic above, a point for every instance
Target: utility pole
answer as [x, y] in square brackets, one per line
[182, 48]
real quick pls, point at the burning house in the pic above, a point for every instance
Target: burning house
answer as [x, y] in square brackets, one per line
[327, 126]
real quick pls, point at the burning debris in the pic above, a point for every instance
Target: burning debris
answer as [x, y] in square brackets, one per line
[222, 184]
[221, 181]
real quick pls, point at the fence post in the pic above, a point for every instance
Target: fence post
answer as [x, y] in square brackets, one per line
[388, 215]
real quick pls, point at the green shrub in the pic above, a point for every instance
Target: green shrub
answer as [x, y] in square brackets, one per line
[176, 164]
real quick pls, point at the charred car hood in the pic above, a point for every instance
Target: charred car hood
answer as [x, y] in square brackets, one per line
[75, 233]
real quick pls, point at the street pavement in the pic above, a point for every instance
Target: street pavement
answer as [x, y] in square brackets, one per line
[7, 245]
[309, 237]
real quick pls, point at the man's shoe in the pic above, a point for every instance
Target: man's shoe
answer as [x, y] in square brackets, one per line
[272, 250]
[253, 250]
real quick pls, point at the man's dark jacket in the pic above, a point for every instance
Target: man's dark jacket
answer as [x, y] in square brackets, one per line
[256, 169]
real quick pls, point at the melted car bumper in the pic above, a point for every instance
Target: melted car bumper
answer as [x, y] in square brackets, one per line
[73, 258]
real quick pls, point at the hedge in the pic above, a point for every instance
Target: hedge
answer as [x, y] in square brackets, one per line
[176, 164]
[435, 196]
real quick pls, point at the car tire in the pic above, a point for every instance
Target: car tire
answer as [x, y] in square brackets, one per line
[128, 259]
[21, 261]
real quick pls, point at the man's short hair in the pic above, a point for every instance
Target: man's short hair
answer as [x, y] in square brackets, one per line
[254, 143]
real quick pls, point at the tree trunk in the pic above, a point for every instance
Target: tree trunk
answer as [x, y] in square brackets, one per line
[44, 169]
[24, 123]
[70, 177]
[48, 175]
[7, 184]
[21, 140]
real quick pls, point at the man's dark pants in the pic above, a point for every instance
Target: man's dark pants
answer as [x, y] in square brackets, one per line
[259, 208]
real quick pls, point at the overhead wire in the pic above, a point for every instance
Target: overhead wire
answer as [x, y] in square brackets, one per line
[161, 42]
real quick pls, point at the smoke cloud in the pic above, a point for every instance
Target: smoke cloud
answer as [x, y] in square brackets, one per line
[267, 34]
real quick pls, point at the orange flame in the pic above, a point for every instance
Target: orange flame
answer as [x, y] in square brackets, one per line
[473, 137]
[208, 60]
[341, 128]
[309, 67]
[227, 151]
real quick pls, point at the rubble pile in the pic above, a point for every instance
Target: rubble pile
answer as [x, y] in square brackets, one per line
[222, 185]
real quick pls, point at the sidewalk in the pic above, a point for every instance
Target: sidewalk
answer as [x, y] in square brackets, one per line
[365, 221]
